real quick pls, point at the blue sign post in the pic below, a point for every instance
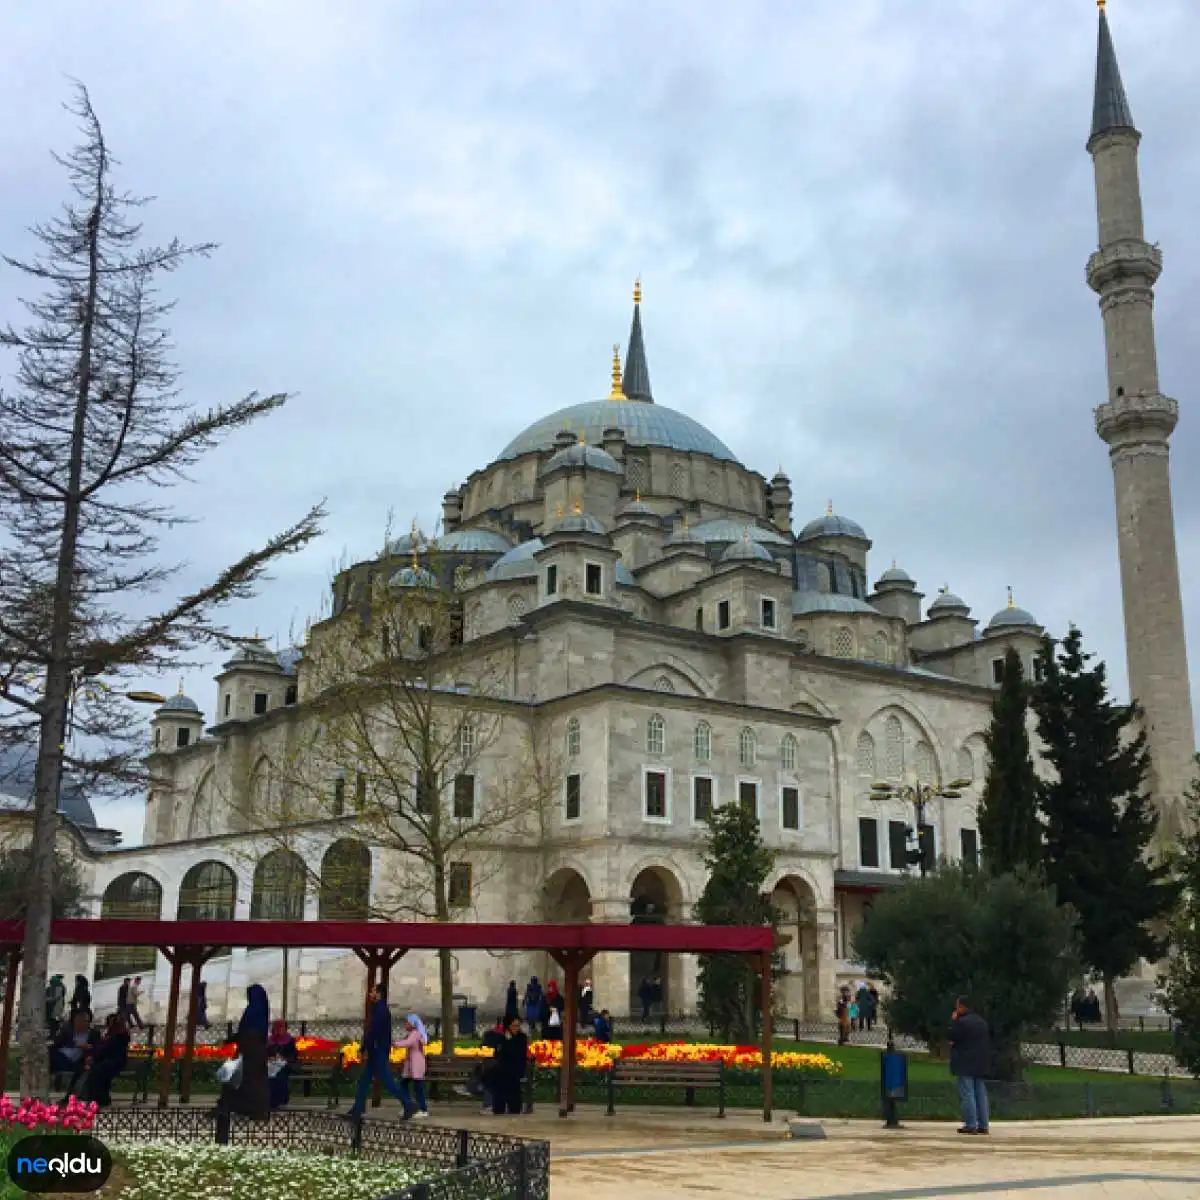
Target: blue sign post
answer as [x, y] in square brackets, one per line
[893, 1085]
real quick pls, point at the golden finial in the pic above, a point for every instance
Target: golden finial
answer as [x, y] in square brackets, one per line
[577, 508]
[829, 509]
[583, 438]
[617, 393]
[180, 692]
[637, 495]
[1010, 599]
[1100, 4]
[558, 512]
[637, 290]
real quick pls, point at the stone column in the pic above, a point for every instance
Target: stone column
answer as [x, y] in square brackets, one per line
[610, 972]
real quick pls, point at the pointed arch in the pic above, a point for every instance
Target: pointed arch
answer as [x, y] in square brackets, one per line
[203, 820]
[865, 755]
[682, 676]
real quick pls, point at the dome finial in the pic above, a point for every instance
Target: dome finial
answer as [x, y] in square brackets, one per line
[180, 692]
[893, 564]
[616, 393]
[577, 508]
[637, 290]
[558, 512]
[829, 509]
[637, 495]
[1010, 599]
[1100, 4]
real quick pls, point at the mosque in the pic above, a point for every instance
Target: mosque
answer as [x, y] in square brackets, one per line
[683, 643]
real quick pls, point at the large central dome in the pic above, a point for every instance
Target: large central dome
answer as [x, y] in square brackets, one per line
[643, 425]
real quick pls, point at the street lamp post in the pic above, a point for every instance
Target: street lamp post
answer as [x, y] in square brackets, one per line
[920, 796]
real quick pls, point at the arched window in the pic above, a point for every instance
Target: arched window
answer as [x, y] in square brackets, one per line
[202, 822]
[787, 752]
[278, 890]
[208, 893]
[893, 748]
[880, 652]
[345, 882]
[703, 742]
[516, 608]
[747, 747]
[663, 684]
[130, 897]
[573, 737]
[966, 764]
[656, 735]
[865, 754]
[261, 791]
[843, 643]
[925, 762]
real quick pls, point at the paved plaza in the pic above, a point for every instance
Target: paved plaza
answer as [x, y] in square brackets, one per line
[667, 1155]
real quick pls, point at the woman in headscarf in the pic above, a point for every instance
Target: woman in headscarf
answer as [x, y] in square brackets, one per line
[533, 1001]
[552, 1011]
[511, 1009]
[512, 1059]
[281, 1049]
[251, 1095]
[108, 1062]
[412, 1074]
[81, 997]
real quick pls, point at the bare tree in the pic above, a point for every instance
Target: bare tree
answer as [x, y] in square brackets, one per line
[400, 723]
[91, 428]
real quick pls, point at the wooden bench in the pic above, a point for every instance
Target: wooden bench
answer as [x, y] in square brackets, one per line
[692, 1076]
[139, 1066]
[441, 1069]
[324, 1067]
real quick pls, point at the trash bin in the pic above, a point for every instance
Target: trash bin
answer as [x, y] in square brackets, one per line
[467, 1014]
[893, 1084]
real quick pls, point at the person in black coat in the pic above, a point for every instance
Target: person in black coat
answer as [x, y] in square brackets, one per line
[73, 1048]
[512, 1058]
[81, 997]
[377, 1055]
[251, 1096]
[971, 1061]
[512, 1010]
[108, 1062]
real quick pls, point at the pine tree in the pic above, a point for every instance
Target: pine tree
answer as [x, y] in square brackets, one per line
[1009, 829]
[1099, 822]
[738, 865]
[1181, 979]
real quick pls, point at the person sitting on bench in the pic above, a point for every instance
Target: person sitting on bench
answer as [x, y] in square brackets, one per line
[71, 1050]
[109, 1060]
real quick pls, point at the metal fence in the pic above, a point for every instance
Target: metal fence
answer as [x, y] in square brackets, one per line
[467, 1165]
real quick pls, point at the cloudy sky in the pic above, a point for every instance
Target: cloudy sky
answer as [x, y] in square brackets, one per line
[861, 225]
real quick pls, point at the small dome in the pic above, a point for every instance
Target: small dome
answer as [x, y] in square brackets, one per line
[1013, 617]
[747, 550]
[474, 541]
[818, 602]
[948, 603]
[831, 525]
[580, 454]
[577, 523]
[724, 530]
[897, 575]
[180, 703]
[517, 563]
[637, 508]
[413, 577]
[256, 651]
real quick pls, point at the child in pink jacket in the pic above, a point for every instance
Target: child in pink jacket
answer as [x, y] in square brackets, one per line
[412, 1075]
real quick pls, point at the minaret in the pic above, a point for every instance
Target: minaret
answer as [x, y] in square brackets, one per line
[637, 373]
[1136, 422]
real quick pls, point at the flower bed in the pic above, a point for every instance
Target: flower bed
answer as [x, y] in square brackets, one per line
[306, 1047]
[166, 1171]
[31, 1116]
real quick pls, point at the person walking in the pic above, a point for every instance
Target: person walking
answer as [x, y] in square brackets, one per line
[123, 998]
[250, 1094]
[202, 1005]
[586, 1009]
[512, 1008]
[602, 1026]
[533, 1001]
[872, 1006]
[512, 1058]
[646, 996]
[135, 995]
[971, 1062]
[81, 997]
[843, 1016]
[412, 1074]
[376, 1052]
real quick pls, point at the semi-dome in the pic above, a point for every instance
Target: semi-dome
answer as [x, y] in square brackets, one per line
[642, 423]
[474, 541]
[577, 523]
[723, 529]
[819, 602]
[832, 525]
[638, 508]
[746, 550]
[413, 577]
[517, 563]
[591, 458]
[947, 602]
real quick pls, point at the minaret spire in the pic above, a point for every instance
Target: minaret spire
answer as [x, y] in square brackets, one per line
[637, 374]
[1136, 422]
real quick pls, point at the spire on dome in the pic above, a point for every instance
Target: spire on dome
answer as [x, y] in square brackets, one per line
[637, 374]
[617, 393]
[1111, 108]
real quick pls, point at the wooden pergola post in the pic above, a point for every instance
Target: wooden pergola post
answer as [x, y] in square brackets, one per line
[175, 957]
[572, 962]
[197, 957]
[6, 1022]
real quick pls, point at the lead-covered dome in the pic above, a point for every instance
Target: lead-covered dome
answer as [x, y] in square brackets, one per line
[1013, 617]
[644, 424]
[832, 525]
[590, 458]
[746, 550]
[473, 541]
[180, 703]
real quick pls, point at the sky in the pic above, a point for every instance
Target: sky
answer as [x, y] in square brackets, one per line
[861, 227]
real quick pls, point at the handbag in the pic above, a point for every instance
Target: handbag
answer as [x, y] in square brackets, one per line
[555, 1018]
[274, 1067]
[230, 1072]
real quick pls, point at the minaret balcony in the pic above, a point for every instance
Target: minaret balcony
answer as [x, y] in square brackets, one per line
[1124, 260]
[1137, 418]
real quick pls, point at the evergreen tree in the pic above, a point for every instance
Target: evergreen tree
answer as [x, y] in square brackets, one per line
[1099, 822]
[738, 865]
[1010, 832]
[1181, 979]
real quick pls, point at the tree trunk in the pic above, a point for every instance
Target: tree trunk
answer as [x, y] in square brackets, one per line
[1110, 1004]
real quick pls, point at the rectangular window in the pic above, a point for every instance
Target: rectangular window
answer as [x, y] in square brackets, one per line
[898, 845]
[260, 703]
[723, 614]
[997, 670]
[157, 738]
[700, 620]
[551, 580]
[360, 790]
[458, 886]
[464, 797]
[424, 637]
[748, 795]
[339, 797]
[970, 849]
[868, 842]
[426, 795]
[574, 804]
[292, 693]
[593, 579]
[228, 702]
[182, 737]
[928, 846]
[1036, 672]
[702, 798]
[790, 808]
[768, 613]
[656, 795]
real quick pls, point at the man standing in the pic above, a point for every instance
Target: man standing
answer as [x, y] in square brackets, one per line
[376, 1052]
[135, 995]
[123, 999]
[971, 1061]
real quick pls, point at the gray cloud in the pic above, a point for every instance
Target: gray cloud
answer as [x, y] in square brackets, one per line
[862, 228]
